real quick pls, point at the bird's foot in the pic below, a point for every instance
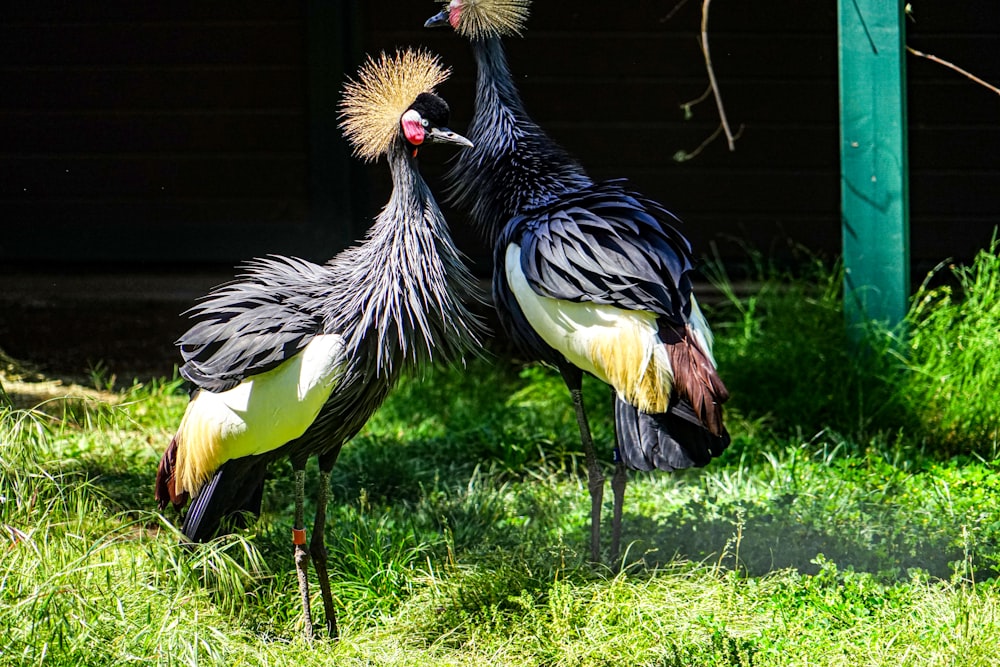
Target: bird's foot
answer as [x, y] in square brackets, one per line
[319, 558]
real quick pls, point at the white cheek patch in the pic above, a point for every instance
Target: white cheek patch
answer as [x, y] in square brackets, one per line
[413, 127]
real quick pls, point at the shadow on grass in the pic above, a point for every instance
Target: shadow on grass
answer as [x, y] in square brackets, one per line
[475, 508]
[127, 490]
[776, 537]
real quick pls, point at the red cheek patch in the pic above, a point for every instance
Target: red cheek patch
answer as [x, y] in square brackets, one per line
[413, 128]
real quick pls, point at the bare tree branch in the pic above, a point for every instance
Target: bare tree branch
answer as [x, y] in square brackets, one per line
[673, 11]
[730, 139]
[952, 66]
[684, 156]
[713, 89]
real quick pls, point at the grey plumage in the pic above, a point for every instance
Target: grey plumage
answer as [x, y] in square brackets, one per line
[513, 166]
[390, 304]
[409, 284]
[400, 298]
[254, 323]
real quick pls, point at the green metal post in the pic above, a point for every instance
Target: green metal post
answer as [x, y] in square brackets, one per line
[873, 154]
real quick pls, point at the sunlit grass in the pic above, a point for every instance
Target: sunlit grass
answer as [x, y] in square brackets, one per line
[851, 522]
[954, 356]
[787, 357]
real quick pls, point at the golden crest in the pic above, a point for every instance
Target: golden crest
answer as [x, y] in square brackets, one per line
[480, 19]
[386, 86]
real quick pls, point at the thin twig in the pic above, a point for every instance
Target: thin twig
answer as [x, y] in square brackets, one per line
[673, 11]
[730, 139]
[701, 98]
[952, 66]
[684, 156]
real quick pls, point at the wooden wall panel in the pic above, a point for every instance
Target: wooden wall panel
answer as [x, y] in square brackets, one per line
[146, 132]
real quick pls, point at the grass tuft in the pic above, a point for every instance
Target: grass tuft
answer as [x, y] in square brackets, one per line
[954, 357]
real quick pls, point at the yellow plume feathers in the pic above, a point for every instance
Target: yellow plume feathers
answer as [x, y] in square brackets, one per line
[385, 88]
[480, 19]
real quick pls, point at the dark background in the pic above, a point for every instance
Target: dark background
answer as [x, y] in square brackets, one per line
[147, 147]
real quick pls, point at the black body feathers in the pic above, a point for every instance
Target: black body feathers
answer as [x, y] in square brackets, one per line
[673, 440]
[232, 496]
[254, 323]
[582, 241]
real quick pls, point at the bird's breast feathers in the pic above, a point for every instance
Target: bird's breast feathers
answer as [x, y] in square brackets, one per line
[259, 415]
[620, 347]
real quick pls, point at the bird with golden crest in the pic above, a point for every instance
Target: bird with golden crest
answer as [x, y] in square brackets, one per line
[590, 277]
[292, 358]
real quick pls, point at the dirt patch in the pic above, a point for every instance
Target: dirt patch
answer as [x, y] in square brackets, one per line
[23, 386]
[73, 341]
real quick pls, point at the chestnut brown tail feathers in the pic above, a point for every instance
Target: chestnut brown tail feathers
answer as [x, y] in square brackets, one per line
[695, 378]
[690, 433]
[231, 498]
[166, 492]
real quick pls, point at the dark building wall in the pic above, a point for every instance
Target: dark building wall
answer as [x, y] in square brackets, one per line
[182, 132]
[954, 130]
[608, 81]
[133, 131]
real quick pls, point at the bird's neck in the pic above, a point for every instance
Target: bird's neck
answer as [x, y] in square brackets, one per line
[495, 89]
[405, 288]
[514, 166]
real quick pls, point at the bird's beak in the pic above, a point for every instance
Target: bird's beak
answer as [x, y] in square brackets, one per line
[443, 135]
[439, 20]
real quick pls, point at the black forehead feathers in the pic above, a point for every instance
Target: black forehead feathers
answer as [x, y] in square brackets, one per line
[432, 108]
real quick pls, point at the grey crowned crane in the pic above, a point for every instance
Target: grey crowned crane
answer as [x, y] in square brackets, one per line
[293, 358]
[588, 277]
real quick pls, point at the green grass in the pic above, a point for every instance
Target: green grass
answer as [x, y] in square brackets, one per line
[852, 522]
[955, 355]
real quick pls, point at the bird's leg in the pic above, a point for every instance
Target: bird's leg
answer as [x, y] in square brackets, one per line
[618, 482]
[317, 548]
[301, 554]
[595, 478]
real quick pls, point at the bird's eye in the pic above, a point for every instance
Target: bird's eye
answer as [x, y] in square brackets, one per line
[425, 122]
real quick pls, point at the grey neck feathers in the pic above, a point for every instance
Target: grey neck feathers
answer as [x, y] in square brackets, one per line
[514, 165]
[404, 290]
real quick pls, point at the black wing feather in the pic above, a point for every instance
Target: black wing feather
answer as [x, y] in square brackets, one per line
[606, 245]
[254, 323]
